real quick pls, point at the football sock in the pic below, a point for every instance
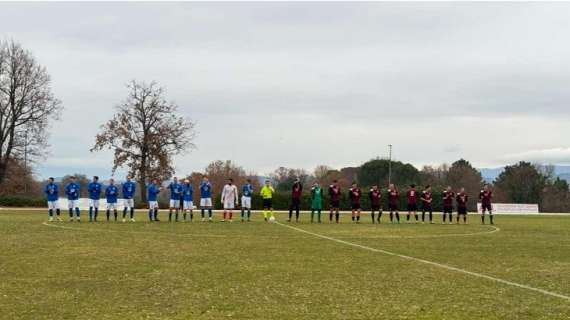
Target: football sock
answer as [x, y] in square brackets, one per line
[416, 216]
[357, 218]
[150, 215]
[210, 213]
[423, 216]
[108, 214]
[372, 215]
[398, 216]
[176, 216]
[155, 214]
[50, 213]
[132, 213]
[202, 213]
[491, 218]
[170, 215]
[90, 213]
[191, 215]
[337, 217]
[450, 217]
[444, 217]
[77, 212]
[408, 217]
[70, 213]
[290, 214]
[391, 216]
[297, 215]
[115, 214]
[57, 212]
[483, 218]
[330, 216]
[248, 213]
[242, 214]
[231, 215]
[319, 215]
[96, 213]
[379, 216]
[430, 216]
[312, 215]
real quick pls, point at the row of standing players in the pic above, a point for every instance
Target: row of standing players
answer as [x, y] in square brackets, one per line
[181, 197]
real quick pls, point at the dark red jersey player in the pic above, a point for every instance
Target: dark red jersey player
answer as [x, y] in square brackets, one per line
[334, 195]
[486, 196]
[393, 198]
[412, 195]
[354, 193]
[448, 196]
[427, 199]
[375, 196]
[461, 200]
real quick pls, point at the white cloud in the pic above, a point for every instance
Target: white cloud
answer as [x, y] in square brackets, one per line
[301, 84]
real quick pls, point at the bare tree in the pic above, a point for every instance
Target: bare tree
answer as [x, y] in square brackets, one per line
[145, 134]
[27, 104]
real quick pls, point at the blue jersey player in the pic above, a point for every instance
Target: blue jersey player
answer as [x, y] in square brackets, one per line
[111, 195]
[72, 191]
[247, 192]
[129, 189]
[175, 196]
[187, 197]
[206, 197]
[94, 189]
[153, 190]
[52, 193]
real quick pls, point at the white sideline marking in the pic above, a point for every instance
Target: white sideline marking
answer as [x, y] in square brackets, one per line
[444, 266]
[136, 232]
[495, 229]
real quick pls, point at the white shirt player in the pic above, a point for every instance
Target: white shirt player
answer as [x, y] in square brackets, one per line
[229, 196]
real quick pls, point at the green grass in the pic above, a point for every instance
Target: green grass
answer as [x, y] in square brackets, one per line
[267, 271]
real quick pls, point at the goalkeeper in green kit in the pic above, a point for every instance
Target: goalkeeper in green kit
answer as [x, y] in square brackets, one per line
[316, 201]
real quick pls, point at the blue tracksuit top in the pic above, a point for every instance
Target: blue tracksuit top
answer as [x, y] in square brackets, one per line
[94, 189]
[129, 188]
[52, 192]
[72, 191]
[247, 190]
[153, 192]
[205, 190]
[188, 192]
[111, 193]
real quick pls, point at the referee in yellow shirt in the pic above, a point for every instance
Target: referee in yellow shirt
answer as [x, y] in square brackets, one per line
[267, 195]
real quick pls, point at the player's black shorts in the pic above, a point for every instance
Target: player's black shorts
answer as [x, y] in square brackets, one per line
[355, 206]
[267, 204]
[412, 207]
[427, 208]
[295, 201]
[486, 207]
[375, 207]
[461, 211]
[393, 207]
[335, 204]
[447, 209]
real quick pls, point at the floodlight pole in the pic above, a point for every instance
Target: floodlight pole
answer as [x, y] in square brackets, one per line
[389, 164]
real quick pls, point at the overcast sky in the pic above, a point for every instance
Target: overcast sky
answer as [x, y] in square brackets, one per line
[302, 84]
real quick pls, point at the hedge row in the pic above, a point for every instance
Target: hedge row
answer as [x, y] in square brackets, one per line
[281, 201]
[22, 201]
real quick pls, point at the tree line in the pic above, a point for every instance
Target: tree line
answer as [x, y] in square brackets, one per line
[146, 132]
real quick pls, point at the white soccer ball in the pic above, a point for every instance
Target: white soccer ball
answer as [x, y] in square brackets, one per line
[272, 219]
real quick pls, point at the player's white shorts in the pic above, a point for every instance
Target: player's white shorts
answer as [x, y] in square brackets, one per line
[229, 205]
[53, 205]
[94, 203]
[246, 202]
[188, 205]
[111, 206]
[175, 204]
[153, 205]
[72, 204]
[129, 203]
[206, 202]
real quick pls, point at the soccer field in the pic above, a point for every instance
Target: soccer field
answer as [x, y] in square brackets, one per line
[257, 270]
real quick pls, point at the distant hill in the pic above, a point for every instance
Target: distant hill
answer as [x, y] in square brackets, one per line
[490, 174]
